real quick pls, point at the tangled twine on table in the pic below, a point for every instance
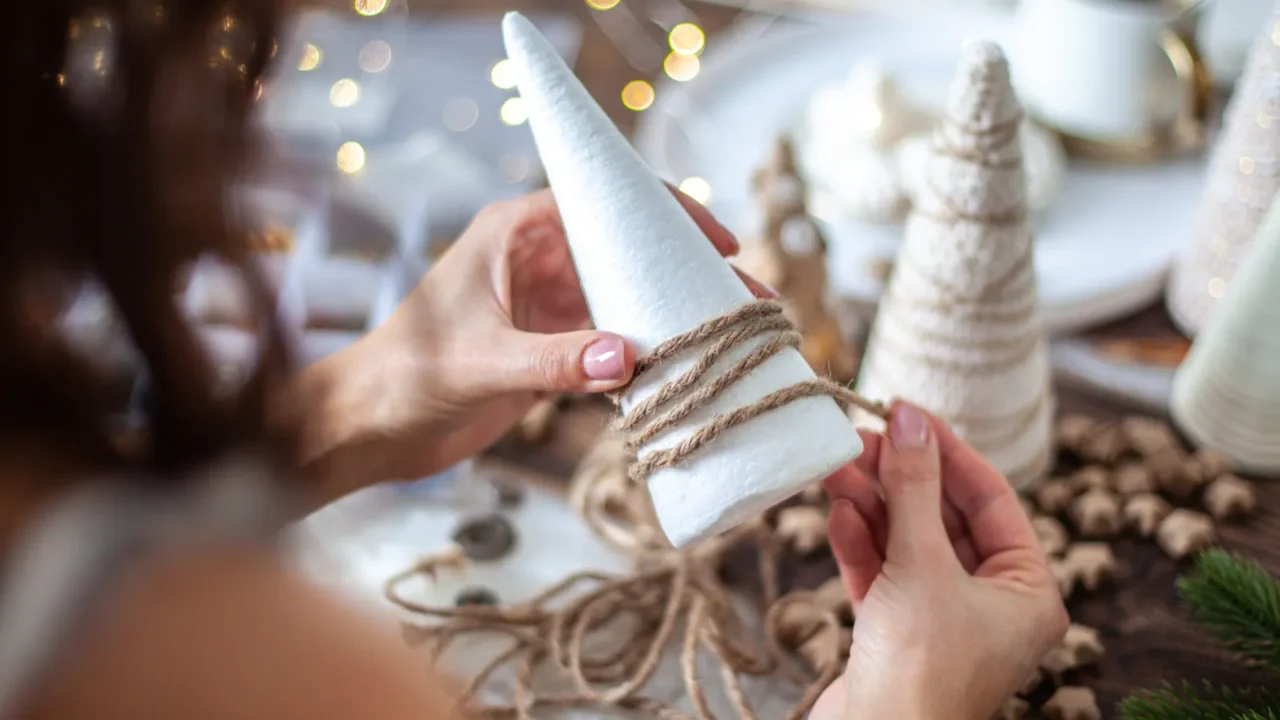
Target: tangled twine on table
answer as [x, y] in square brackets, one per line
[672, 594]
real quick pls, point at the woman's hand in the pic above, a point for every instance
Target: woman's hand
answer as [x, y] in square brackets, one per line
[954, 601]
[498, 321]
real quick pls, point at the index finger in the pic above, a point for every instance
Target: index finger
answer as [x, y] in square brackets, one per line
[983, 496]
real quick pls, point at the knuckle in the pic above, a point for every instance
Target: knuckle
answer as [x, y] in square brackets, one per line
[554, 368]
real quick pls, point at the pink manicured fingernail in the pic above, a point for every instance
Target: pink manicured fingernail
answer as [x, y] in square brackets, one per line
[605, 359]
[908, 427]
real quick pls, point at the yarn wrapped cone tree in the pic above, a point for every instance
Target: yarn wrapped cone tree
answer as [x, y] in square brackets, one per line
[731, 420]
[1243, 176]
[959, 329]
[1226, 394]
[790, 254]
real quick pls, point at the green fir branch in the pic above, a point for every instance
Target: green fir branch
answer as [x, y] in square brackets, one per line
[1206, 702]
[1239, 603]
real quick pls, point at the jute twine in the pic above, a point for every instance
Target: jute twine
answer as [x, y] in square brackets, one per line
[672, 595]
[672, 403]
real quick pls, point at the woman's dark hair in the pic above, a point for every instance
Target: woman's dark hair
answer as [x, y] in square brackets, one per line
[130, 125]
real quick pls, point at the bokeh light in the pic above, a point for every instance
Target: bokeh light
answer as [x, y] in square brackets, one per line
[602, 4]
[351, 157]
[461, 114]
[370, 7]
[682, 68]
[697, 188]
[513, 111]
[375, 56]
[687, 39]
[638, 95]
[310, 59]
[344, 93]
[503, 74]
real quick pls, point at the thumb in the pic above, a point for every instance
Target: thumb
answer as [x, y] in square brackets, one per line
[573, 362]
[911, 474]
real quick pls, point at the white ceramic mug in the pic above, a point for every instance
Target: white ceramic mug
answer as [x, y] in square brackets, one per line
[1093, 70]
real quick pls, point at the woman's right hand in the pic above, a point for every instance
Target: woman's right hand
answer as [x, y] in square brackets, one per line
[954, 601]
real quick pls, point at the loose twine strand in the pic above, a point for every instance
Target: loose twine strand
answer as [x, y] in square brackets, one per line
[671, 591]
[677, 399]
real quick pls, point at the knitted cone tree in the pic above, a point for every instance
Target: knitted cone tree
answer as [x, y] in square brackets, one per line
[1244, 174]
[959, 329]
[1226, 395]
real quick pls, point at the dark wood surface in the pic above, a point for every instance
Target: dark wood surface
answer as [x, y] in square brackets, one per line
[1148, 637]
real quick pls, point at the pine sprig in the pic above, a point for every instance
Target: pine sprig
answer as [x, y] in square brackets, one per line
[1207, 702]
[1239, 603]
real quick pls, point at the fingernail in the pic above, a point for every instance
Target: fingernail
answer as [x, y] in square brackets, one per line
[908, 427]
[604, 359]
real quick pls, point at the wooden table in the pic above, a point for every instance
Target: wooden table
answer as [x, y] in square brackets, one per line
[1148, 637]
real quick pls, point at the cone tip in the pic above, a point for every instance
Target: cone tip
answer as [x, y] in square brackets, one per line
[982, 53]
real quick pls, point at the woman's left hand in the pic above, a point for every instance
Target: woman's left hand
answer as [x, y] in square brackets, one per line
[496, 323]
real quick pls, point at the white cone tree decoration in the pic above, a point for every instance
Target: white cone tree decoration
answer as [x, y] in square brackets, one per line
[1243, 176]
[959, 329]
[1226, 395]
[649, 274]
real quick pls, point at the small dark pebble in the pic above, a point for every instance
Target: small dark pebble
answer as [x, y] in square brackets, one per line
[486, 538]
[509, 496]
[475, 596]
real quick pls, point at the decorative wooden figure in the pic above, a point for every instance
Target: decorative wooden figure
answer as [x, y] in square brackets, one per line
[1226, 395]
[1244, 174]
[649, 274]
[959, 327]
[790, 255]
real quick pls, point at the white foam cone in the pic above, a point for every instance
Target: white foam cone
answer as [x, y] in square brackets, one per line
[1243, 176]
[649, 274]
[1226, 394]
[959, 329]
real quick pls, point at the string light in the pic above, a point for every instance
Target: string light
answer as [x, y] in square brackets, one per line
[682, 68]
[1246, 165]
[503, 74]
[602, 4]
[637, 95]
[687, 39]
[311, 58]
[697, 188]
[375, 56]
[513, 111]
[1264, 120]
[344, 93]
[369, 8]
[351, 157]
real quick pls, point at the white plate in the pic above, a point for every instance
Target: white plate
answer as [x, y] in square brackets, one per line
[1102, 248]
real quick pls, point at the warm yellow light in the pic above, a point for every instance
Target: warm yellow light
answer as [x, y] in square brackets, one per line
[375, 56]
[637, 95]
[1247, 165]
[682, 68]
[351, 157]
[1217, 287]
[602, 4]
[228, 23]
[697, 188]
[687, 39]
[344, 93]
[310, 59]
[370, 7]
[1275, 34]
[503, 74]
[513, 111]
